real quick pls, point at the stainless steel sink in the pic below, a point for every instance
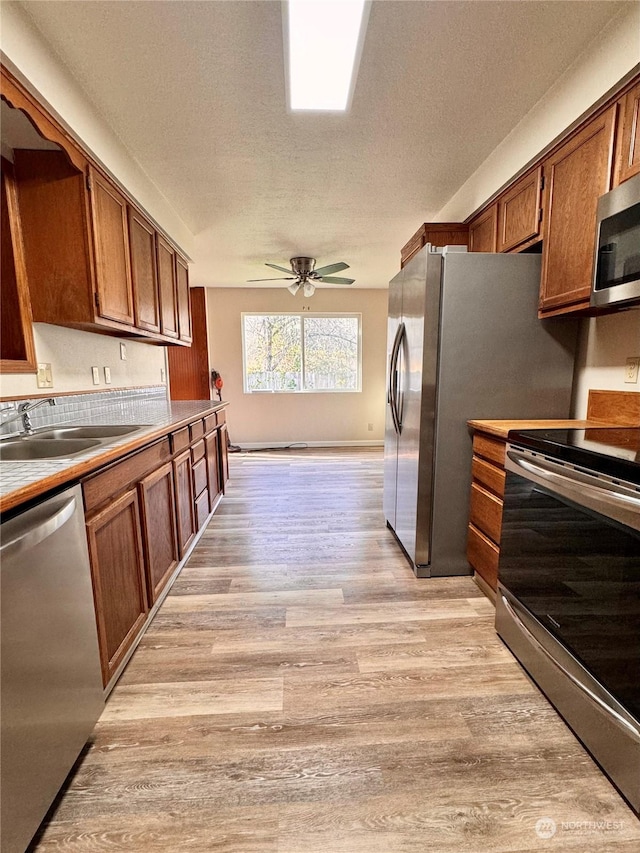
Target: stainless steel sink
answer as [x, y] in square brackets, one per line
[88, 431]
[29, 448]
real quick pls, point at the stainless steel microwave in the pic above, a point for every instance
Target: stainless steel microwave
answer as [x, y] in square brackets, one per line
[616, 275]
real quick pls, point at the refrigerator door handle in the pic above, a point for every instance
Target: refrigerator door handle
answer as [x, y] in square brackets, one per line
[393, 378]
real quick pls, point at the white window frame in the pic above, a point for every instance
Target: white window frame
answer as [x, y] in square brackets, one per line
[303, 315]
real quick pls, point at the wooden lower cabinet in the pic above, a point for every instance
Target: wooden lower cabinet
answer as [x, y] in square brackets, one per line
[224, 457]
[117, 567]
[485, 512]
[185, 510]
[212, 444]
[158, 507]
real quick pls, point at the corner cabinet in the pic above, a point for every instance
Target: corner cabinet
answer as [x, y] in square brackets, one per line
[576, 175]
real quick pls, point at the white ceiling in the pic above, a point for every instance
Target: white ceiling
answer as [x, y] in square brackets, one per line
[196, 92]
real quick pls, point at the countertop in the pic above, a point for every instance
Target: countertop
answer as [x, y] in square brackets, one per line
[23, 481]
[501, 429]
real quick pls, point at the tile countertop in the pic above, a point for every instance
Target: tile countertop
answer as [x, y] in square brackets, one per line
[23, 481]
[501, 429]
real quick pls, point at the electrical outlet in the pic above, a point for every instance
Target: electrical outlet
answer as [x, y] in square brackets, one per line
[107, 376]
[44, 376]
[631, 369]
[95, 373]
[123, 351]
[163, 374]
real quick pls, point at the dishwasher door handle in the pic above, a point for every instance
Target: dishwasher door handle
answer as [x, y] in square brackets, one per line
[32, 536]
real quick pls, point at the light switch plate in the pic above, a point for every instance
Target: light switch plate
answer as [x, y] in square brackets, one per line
[107, 376]
[95, 373]
[631, 369]
[123, 351]
[44, 376]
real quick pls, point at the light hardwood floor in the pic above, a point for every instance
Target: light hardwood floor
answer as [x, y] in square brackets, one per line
[301, 692]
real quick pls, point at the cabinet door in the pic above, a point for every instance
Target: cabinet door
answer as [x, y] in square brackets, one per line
[185, 511]
[158, 507]
[182, 294]
[224, 456]
[111, 250]
[575, 177]
[483, 231]
[144, 277]
[167, 285]
[212, 444]
[117, 568]
[17, 350]
[519, 212]
[629, 136]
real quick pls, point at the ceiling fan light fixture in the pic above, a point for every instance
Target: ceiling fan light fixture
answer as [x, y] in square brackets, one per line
[330, 34]
[309, 289]
[294, 288]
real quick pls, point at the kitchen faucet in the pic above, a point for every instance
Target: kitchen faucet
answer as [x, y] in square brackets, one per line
[24, 410]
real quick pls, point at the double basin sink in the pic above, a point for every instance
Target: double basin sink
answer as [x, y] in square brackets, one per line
[61, 441]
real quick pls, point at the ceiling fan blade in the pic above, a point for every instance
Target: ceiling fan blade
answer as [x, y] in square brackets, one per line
[332, 268]
[336, 280]
[290, 278]
[280, 269]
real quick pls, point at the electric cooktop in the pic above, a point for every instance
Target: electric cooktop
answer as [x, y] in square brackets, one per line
[614, 451]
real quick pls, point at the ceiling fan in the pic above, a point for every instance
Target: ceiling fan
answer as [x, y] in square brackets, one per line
[304, 274]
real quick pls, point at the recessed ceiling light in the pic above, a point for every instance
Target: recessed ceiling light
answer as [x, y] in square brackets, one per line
[325, 41]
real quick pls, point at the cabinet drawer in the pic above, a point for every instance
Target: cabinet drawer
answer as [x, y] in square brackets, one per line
[486, 512]
[483, 555]
[180, 440]
[222, 416]
[199, 477]
[196, 430]
[121, 475]
[197, 451]
[489, 448]
[488, 475]
[210, 423]
[202, 508]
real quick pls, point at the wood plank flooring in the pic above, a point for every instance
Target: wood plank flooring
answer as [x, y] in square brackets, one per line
[301, 692]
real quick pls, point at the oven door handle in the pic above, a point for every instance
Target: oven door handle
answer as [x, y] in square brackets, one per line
[602, 704]
[586, 490]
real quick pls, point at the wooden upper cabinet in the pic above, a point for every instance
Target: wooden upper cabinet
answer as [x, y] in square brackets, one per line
[144, 276]
[437, 234]
[166, 261]
[628, 136]
[519, 212]
[182, 298]
[576, 175]
[111, 247]
[483, 230]
[17, 351]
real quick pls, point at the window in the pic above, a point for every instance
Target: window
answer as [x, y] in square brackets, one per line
[301, 352]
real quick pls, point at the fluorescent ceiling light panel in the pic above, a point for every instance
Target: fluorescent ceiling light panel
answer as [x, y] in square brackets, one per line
[325, 41]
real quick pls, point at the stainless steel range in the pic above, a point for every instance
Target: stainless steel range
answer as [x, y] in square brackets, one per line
[569, 584]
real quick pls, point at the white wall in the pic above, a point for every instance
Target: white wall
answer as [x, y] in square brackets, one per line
[26, 54]
[604, 346]
[322, 418]
[608, 59]
[605, 342]
[72, 354]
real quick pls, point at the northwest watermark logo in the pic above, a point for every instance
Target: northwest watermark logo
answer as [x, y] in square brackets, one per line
[546, 827]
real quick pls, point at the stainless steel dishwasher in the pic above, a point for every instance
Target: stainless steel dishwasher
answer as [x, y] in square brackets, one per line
[51, 683]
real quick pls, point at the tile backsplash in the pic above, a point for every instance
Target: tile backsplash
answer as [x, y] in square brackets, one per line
[76, 408]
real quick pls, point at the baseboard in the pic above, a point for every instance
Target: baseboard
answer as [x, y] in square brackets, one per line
[264, 445]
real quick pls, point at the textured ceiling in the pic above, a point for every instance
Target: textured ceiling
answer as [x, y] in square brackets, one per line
[196, 92]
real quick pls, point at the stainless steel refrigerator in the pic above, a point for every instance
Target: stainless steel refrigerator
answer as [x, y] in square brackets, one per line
[464, 342]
